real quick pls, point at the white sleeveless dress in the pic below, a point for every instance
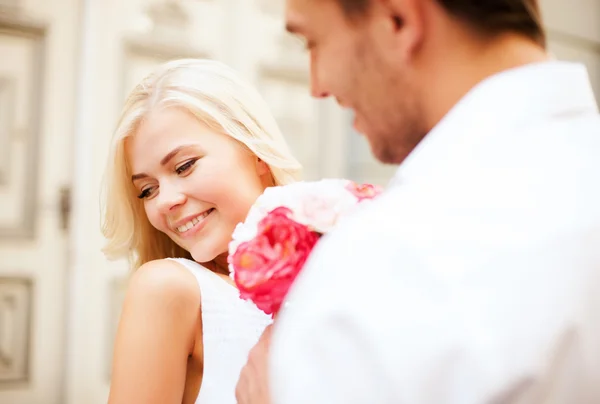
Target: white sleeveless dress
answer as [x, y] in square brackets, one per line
[230, 327]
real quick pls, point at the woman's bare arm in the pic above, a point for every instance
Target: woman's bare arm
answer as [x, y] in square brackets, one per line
[156, 335]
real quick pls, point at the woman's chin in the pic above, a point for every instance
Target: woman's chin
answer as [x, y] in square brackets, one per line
[202, 257]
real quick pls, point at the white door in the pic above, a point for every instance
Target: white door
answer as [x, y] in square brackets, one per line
[37, 60]
[249, 36]
[142, 34]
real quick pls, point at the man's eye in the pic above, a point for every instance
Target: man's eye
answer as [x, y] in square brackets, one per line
[185, 166]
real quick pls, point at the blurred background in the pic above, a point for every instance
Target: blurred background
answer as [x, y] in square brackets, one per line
[65, 68]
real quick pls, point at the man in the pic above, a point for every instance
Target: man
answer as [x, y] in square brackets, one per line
[474, 278]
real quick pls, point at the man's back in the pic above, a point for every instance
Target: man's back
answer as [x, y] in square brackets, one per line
[474, 278]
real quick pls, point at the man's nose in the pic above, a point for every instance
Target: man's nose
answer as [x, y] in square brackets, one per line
[318, 93]
[317, 88]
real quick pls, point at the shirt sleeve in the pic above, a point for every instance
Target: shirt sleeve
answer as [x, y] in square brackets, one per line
[382, 325]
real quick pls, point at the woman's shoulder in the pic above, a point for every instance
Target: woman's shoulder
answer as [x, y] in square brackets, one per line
[160, 281]
[158, 330]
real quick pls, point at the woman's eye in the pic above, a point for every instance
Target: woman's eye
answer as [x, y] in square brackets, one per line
[185, 166]
[145, 193]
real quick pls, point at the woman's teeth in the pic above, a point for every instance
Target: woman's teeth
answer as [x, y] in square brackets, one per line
[185, 227]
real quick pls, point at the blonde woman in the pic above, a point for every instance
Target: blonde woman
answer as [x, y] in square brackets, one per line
[194, 148]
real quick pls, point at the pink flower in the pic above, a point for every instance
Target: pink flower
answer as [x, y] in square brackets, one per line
[319, 213]
[364, 191]
[269, 249]
[267, 265]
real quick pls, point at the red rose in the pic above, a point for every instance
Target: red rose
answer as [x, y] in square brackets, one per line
[266, 266]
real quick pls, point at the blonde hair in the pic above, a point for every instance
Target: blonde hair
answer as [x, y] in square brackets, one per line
[217, 96]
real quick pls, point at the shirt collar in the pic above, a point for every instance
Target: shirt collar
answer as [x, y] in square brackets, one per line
[510, 99]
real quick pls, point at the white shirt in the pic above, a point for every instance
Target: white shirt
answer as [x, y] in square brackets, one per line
[476, 277]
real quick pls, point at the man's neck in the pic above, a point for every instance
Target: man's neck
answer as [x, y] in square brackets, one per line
[465, 66]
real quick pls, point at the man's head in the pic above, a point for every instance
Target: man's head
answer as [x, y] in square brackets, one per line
[400, 65]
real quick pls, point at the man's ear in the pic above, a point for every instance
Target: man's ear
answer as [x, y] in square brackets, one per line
[405, 22]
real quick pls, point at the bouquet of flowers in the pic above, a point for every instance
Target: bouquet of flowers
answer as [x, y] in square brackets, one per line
[270, 247]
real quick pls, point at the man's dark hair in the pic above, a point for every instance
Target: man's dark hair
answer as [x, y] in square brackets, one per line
[486, 16]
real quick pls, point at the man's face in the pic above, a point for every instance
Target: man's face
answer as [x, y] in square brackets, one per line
[356, 61]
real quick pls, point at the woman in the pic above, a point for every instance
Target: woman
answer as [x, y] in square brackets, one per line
[194, 148]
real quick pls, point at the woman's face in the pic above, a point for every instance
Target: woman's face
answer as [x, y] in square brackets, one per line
[196, 184]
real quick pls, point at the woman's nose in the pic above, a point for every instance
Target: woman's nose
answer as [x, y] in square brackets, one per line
[169, 198]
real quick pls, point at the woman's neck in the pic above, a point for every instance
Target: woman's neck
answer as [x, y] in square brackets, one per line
[219, 265]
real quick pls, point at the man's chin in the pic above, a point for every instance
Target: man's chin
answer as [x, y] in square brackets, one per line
[355, 125]
[380, 150]
[383, 153]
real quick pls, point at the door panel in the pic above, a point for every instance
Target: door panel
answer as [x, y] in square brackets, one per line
[36, 99]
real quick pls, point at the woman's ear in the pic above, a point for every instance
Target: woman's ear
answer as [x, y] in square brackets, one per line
[262, 168]
[264, 172]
